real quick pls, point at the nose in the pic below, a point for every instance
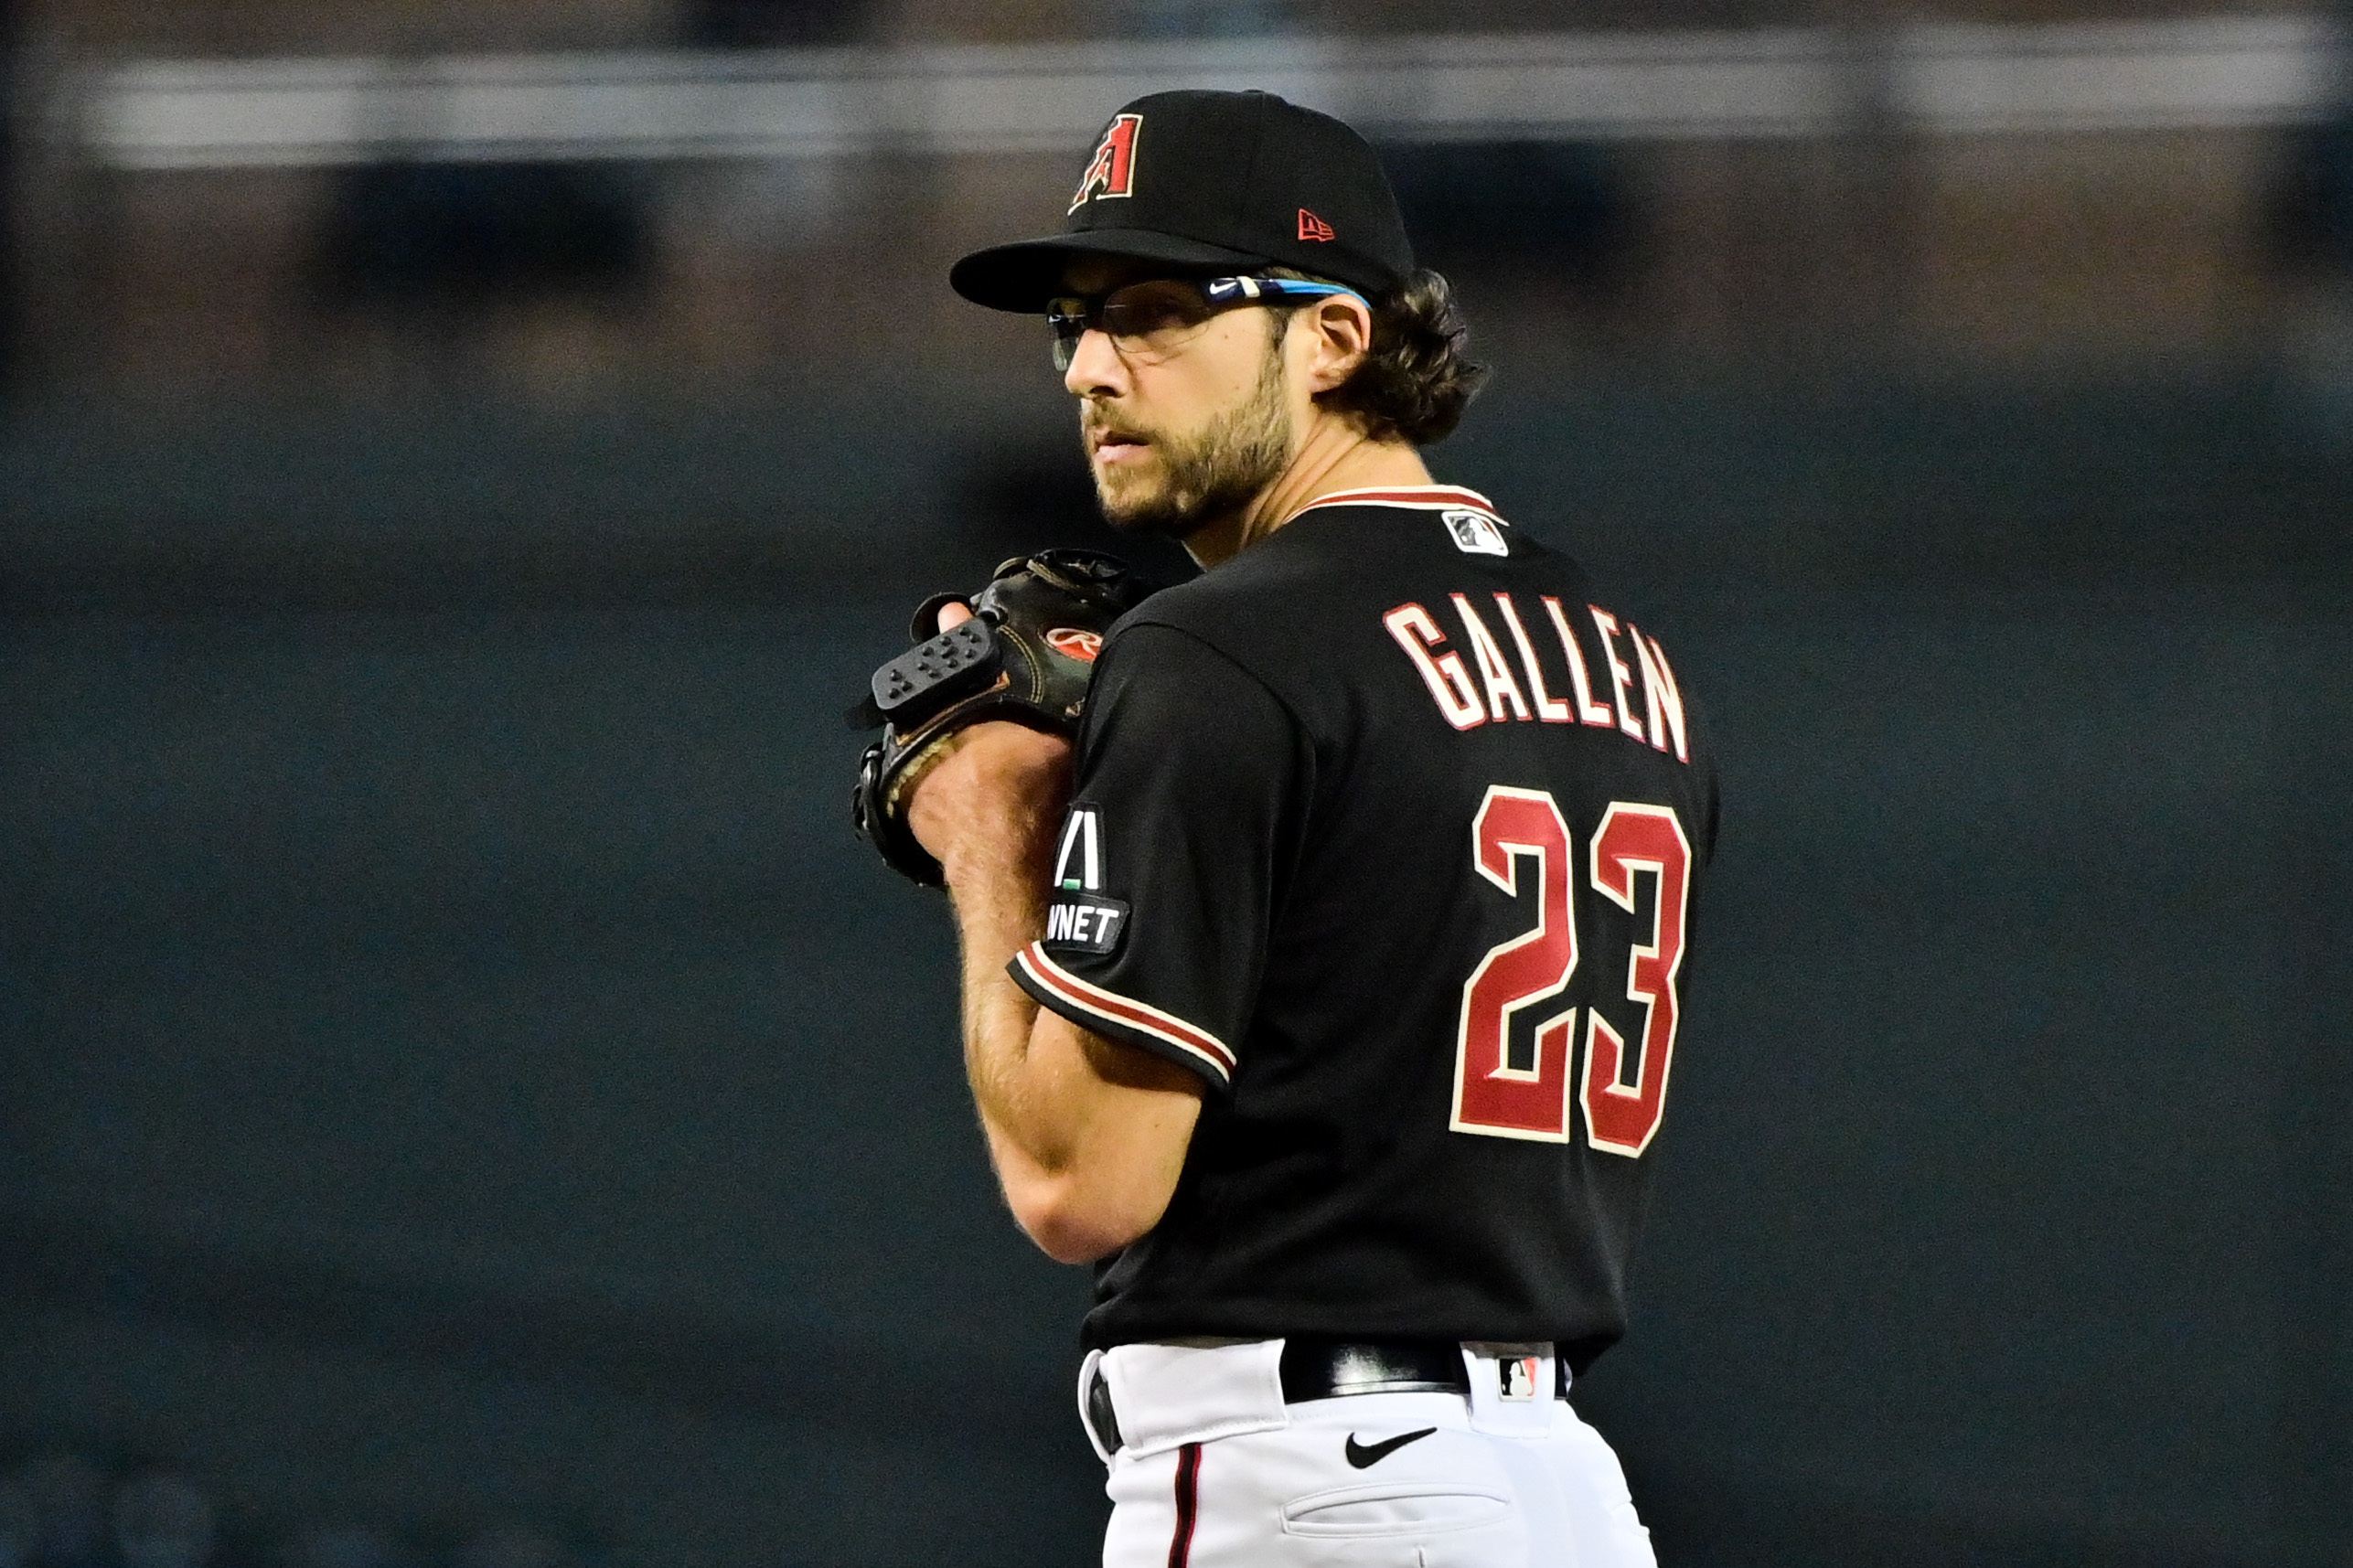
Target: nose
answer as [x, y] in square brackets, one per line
[1095, 367]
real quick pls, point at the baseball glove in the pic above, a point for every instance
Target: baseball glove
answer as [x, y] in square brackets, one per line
[1026, 654]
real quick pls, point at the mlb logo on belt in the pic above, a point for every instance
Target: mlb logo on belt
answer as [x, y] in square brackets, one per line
[1518, 1377]
[1112, 170]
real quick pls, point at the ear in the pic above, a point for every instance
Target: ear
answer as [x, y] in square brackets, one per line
[1339, 328]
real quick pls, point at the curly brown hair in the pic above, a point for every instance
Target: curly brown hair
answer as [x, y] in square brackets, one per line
[1417, 380]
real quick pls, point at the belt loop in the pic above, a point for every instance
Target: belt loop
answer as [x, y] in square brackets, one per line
[1095, 1411]
[1164, 1394]
[1513, 1387]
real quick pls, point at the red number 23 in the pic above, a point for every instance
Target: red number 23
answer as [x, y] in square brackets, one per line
[1496, 1098]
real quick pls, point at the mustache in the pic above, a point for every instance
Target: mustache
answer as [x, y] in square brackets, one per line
[1094, 423]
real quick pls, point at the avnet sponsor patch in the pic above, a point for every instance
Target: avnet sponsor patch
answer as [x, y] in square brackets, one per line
[1085, 922]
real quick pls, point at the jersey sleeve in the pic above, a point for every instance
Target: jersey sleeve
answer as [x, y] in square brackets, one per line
[1166, 868]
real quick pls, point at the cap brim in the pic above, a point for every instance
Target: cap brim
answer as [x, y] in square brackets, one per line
[1022, 276]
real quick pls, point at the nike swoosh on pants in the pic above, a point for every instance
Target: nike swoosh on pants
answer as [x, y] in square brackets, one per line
[1363, 1454]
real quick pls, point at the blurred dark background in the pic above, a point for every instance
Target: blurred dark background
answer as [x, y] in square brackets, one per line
[470, 1100]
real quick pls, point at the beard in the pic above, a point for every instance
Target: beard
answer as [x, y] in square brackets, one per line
[1198, 478]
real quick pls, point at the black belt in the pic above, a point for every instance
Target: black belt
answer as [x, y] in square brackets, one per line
[1335, 1369]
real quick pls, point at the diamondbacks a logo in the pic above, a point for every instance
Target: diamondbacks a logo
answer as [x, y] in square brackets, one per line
[1080, 919]
[1074, 643]
[1112, 171]
[1314, 227]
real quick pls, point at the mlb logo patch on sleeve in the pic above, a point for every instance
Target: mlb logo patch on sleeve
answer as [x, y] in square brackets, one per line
[1475, 533]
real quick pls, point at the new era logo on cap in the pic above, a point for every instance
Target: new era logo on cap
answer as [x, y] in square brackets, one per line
[1112, 170]
[1314, 227]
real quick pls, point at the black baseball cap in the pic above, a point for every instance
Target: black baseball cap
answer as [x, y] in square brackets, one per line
[1195, 179]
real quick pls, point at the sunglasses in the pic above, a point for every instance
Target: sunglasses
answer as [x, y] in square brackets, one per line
[1158, 315]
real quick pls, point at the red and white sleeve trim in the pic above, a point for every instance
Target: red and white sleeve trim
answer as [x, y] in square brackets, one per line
[1426, 497]
[1082, 1002]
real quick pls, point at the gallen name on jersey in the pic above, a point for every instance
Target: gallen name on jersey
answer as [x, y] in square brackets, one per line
[1640, 700]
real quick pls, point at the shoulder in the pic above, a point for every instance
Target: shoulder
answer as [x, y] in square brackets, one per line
[1369, 542]
[1333, 553]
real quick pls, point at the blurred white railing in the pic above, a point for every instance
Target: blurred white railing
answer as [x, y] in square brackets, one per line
[2243, 70]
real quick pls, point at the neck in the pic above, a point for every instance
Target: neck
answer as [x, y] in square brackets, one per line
[1335, 456]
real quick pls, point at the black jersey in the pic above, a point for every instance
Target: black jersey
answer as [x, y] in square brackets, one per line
[1391, 828]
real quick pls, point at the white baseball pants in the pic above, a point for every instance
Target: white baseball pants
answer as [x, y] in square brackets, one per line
[1216, 1471]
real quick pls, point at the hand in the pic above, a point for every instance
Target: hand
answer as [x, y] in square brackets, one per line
[995, 797]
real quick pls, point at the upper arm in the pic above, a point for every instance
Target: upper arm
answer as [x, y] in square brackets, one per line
[1167, 869]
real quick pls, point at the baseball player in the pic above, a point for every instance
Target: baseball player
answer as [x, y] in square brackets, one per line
[1324, 995]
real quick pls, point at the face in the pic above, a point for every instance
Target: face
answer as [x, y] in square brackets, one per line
[1185, 425]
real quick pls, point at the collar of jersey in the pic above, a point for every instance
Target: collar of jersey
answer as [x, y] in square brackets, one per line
[1417, 497]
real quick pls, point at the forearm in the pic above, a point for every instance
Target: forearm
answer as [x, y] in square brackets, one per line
[998, 886]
